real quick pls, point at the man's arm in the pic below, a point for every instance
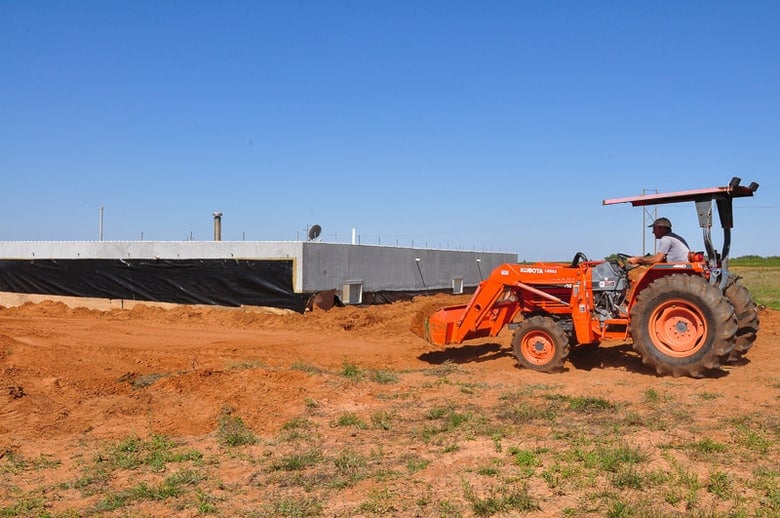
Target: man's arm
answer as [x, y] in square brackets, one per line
[648, 259]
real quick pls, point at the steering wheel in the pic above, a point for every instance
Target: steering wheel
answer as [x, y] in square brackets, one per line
[578, 258]
[622, 261]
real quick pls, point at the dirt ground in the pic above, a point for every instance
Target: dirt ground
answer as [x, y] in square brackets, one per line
[70, 379]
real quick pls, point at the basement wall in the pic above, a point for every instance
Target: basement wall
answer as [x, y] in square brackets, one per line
[232, 272]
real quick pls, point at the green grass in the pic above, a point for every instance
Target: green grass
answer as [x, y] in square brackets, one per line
[170, 487]
[706, 447]
[146, 458]
[380, 502]
[384, 377]
[350, 419]
[155, 452]
[300, 365]
[382, 419]
[26, 505]
[415, 463]
[244, 365]
[754, 260]
[498, 449]
[146, 380]
[232, 431]
[501, 499]
[300, 507]
[295, 429]
[762, 277]
[15, 463]
[351, 370]
[298, 461]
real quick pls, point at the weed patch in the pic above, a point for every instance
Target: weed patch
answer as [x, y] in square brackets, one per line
[232, 431]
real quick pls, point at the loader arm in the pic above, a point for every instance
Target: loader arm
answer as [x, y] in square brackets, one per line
[495, 303]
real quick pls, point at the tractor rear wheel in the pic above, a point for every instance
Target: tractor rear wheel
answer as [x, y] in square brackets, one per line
[682, 325]
[746, 310]
[540, 344]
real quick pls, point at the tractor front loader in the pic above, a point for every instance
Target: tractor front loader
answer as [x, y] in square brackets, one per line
[682, 318]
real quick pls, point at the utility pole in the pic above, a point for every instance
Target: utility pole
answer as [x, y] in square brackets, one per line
[649, 214]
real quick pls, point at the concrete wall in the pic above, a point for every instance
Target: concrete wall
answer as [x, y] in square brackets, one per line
[157, 250]
[329, 266]
[149, 249]
[317, 266]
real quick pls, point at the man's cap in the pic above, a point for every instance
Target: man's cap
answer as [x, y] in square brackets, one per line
[661, 222]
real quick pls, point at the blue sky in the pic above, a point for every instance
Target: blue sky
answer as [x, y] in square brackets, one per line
[482, 125]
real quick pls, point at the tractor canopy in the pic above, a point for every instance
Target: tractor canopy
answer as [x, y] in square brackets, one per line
[703, 198]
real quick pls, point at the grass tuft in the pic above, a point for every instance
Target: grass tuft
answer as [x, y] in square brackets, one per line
[232, 432]
[351, 370]
[505, 499]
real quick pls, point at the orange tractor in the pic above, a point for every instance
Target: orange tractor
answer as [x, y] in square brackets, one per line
[682, 318]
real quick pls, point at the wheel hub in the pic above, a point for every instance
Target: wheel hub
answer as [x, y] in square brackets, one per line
[678, 329]
[538, 348]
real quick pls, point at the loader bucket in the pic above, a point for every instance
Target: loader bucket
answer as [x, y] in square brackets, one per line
[440, 326]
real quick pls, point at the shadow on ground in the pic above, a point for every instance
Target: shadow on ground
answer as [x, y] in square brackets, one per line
[623, 356]
[466, 354]
[582, 357]
[589, 357]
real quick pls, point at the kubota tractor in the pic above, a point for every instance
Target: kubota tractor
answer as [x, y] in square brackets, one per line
[682, 318]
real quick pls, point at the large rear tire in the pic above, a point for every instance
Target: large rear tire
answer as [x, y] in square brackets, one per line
[746, 310]
[540, 344]
[682, 325]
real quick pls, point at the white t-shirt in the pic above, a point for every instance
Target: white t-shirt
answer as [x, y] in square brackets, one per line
[675, 249]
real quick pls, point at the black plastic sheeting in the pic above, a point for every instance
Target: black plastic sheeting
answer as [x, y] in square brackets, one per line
[222, 282]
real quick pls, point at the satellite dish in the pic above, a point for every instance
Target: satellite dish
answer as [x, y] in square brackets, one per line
[314, 232]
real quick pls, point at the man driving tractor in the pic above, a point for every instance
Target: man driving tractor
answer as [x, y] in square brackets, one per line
[671, 248]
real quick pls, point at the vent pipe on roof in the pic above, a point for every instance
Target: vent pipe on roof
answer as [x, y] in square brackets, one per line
[100, 225]
[217, 226]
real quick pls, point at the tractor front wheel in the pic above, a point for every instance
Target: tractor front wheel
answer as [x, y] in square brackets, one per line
[540, 344]
[682, 325]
